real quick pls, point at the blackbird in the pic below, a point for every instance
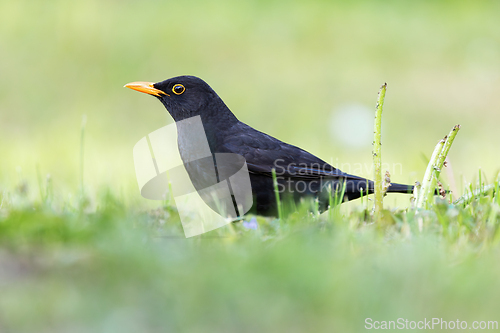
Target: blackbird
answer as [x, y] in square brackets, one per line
[299, 174]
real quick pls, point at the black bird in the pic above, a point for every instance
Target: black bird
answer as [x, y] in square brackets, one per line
[299, 173]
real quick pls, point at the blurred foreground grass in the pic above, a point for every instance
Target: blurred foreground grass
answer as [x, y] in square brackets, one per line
[117, 263]
[119, 269]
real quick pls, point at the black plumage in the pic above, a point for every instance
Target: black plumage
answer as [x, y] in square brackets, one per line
[300, 174]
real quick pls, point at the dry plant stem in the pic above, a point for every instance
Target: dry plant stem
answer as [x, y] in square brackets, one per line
[377, 157]
[386, 182]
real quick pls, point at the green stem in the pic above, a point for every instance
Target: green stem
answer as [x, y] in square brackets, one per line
[277, 194]
[466, 198]
[497, 196]
[40, 185]
[427, 181]
[82, 137]
[434, 168]
[446, 149]
[377, 157]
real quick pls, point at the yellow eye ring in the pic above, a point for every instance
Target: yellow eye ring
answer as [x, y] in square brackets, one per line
[178, 89]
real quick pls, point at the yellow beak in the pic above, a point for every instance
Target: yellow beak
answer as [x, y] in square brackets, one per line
[145, 87]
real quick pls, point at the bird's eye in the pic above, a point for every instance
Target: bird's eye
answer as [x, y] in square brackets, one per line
[178, 89]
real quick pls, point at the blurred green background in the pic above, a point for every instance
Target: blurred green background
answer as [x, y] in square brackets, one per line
[307, 72]
[288, 68]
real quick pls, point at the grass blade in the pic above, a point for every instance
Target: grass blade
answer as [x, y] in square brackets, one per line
[277, 194]
[377, 157]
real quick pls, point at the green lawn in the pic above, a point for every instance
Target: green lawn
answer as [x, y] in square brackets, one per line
[100, 258]
[118, 269]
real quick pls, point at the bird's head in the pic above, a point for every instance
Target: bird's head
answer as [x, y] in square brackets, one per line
[184, 97]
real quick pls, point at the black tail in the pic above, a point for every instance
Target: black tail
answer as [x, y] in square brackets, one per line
[354, 188]
[400, 188]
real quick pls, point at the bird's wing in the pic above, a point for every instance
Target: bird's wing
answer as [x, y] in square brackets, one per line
[263, 153]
